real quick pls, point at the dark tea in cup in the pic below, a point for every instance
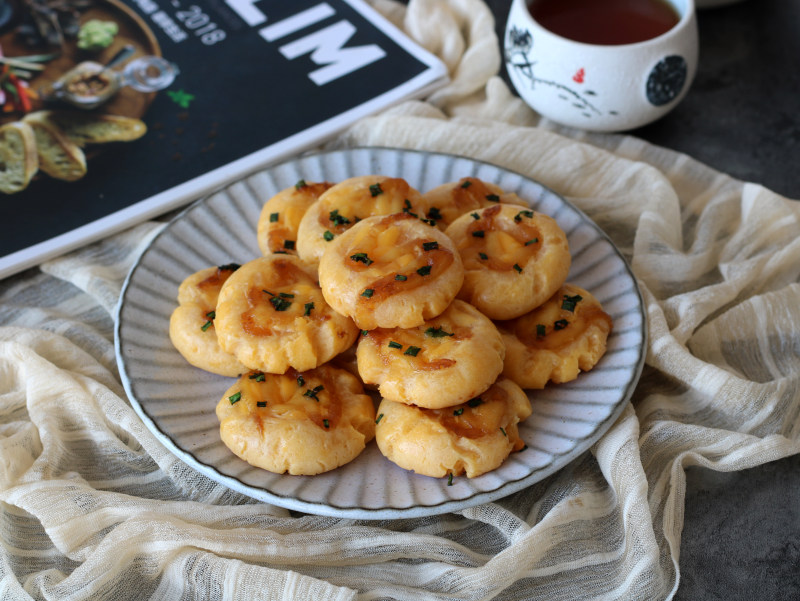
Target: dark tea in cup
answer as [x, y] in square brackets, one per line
[605, 22]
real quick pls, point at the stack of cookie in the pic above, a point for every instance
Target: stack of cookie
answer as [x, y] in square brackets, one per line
[446, 304]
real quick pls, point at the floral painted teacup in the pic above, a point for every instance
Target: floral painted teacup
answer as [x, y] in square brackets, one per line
[600, 87]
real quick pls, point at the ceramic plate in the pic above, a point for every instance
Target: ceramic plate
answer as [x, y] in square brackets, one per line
[177, 401]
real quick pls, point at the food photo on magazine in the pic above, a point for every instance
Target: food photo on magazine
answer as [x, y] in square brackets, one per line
[118, 110]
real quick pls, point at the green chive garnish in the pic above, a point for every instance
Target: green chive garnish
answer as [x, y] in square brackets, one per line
[483, 256]
[437, 332]
[531, 241]
[393, 344]
[326, 423]
[475, 216]
[380, 417]
[235, 398]
[288, 244]
[466, 184]
[300, 184]
[309, 307]
[375, 190]
[569, 302]
[258, 376]
[517, 268]
[328, 236]
[450, 479]
[412, 350]
[493, 197]
[430, 245]
[210, 315]
[361, 258]
[518, 217]
[273, 217]
[368, 292]
[280, 303]
[261, 403]
[312, 392]
[504, 432]
[400, 277]
[434, 213]
[478, 233]
[560, 324]
[301, 381]
[475, 402]
[540, 330]
[458, 411]
[426, 270]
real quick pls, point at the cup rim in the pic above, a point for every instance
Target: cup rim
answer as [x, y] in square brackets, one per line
[685, 17]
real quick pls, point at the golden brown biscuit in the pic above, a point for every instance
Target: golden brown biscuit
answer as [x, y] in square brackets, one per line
[391, 271]
[348, 202]
[449, 201]
[272, 316]
[474, 437]
[281, 215]
[514, 258]
[301, 423]
[445, 361]
[191, 324]
[556, 341]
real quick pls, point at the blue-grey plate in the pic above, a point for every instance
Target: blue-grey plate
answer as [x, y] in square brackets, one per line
[177, 401]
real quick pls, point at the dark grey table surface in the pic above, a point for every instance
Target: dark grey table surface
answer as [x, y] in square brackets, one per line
[741, 535]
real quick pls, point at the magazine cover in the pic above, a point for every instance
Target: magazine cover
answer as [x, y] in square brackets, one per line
[115, 112]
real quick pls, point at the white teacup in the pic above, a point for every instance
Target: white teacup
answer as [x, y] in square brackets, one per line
[600, 87]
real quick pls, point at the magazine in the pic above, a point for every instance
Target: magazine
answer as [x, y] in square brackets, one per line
[210, 90]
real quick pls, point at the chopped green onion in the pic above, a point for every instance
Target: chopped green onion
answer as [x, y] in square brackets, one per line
[280, 304]
[364, 332]
[211, 315]
[437, 332]
[258, 376]
[309, 307]
[300, 184]
[483, 256]
[531, 241]
[337, 219]
[540, 330]
[368, 292]
[569, 302]
[458, 411]
[375, 190]
[301, 381]
[328, 236]
[393, 344]
[518, 217]
[430, 245]
[400, 277]
[466, 184]
[229, 267]
[312, 392]
[288, 244]
[412, 350]
[434, 213]
[475, 402]
[475, 216]
[517, 268]
[478, 233]
[493, 197]
[261, 403]
[235, 398]
[560, 324]
[361, 258]
[380, 417]
[326, 423]
[425, 270]
[273, 217]
[450, 479]
[504, 432]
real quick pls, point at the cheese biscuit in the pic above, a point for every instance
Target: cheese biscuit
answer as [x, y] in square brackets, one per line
[272, 316]
[473, 438]
[514, 259]
[280, 217]
[445, 361]
[555, 342]
[390, 271]
[191, 324]
[303, 423]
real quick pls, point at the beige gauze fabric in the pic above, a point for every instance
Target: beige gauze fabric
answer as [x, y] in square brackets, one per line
[92, 506]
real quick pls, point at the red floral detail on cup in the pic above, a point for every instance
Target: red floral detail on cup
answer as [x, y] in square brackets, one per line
[578, 77]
